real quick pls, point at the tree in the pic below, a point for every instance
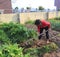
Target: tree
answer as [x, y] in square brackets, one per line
[28, 8]
[16, 9]
[41, 8]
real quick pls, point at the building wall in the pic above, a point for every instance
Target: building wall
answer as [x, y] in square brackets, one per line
[57, 4]
[6, 6]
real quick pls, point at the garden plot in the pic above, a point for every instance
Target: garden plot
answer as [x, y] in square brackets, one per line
[27, 43]
[54, 37]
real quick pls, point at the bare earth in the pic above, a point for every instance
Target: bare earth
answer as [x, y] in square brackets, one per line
[54, 37]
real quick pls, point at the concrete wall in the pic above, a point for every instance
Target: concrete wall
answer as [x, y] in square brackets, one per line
[58, 14]
[23, 17]
[32, 16]
[6, 18]
[52, 15]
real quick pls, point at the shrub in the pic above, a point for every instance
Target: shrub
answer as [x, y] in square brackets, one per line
[17, 32]
[12, 51]
[3, 37]
[29, 22]
[57, 18]
[55, 24]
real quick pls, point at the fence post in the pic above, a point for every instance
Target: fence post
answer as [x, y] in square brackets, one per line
[18, 17]
[56, 13]
[47, 15]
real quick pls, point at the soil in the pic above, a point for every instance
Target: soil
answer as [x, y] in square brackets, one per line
[54, 36]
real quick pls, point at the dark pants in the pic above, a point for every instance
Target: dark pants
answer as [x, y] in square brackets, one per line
[46, 31]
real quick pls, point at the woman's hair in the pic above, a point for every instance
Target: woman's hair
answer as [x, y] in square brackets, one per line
[37, 22]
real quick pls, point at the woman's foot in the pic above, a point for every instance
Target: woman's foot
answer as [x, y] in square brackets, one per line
[48, 41]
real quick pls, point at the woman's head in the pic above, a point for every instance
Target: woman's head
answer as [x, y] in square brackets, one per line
[37, 22]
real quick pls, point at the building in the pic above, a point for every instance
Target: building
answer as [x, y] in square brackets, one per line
[5, 6]
[57, 4]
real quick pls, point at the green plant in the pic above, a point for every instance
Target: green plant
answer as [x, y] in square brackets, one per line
[41, 8]
[57, 18]
[3, 37]
[41, 50]
[55, 24]
[17, 32]
[12, 51]
[29, 22]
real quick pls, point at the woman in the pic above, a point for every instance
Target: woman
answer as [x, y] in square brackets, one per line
[43, 25]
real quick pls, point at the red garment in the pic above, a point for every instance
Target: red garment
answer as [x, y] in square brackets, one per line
[44, 24]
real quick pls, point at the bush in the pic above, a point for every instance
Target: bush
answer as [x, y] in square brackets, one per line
[55, 24]
[29, 22]
[57, 18]
[3, 37]
[17, 32]
[12, 51]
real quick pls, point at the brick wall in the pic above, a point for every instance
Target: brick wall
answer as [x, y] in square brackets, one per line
[6, 5]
